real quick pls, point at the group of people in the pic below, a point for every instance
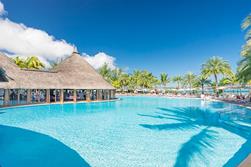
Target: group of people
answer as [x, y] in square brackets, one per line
[239, 98]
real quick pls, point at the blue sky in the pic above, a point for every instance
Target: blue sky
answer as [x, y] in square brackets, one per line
[173, 36]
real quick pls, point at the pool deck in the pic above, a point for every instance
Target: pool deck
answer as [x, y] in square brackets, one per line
[246, 162]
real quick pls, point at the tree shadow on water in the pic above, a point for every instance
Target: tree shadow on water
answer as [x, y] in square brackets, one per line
[201, 143]
[173, 126]
[25, 148]
[196, 145]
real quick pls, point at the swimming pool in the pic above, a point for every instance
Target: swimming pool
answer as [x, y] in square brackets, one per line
[135, 131]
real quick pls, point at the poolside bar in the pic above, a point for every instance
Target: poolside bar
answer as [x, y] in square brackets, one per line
[73, 80]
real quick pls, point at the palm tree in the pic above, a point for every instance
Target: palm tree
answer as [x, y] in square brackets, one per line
[124, 80]
[34, 63]
[115, 74]
[142, 79]
[202, 81]
[229, 80]
[163, 79]
[19, 62]
[244, 68]
[116, 84]
[178, 80]
[190, 79]
[147, 80]
[215, 66]
[105, 71]
[135, 79]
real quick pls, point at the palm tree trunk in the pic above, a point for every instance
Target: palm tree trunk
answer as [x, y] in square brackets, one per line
[216, 85]
[190, 87]
[202, 89]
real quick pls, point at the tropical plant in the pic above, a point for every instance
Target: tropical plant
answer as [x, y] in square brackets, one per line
[145, 79]
[20, 62]
[105, 71]
[163, 79]
[177, 80]
[116, 84]
[132, 85]
[244, 68]
[229, 80]
[215, 66]
[190, 80]
[124, 80]
[115, 74]
[32, 62]
[201, 81]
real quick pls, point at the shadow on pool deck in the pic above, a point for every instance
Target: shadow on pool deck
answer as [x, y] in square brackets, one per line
[20, 147]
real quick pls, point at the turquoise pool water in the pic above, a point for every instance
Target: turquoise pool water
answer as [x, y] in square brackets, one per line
[132, 132]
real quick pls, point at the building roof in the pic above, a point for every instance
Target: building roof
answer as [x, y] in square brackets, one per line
[73, 73]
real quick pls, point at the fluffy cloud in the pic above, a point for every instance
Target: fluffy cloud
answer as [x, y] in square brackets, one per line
[2, 11]
[18, 39]
[100, 59]
[21, 40]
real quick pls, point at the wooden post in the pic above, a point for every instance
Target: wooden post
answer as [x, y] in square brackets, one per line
[18, 96]
[6, 96]
[38, 95]
[74, 95]
[88, 95]
[112, 94]
[106, 95]
[109, 94]
[56, 91]
[28, 96]
[48, 96]
[99, 94]
[62, 96]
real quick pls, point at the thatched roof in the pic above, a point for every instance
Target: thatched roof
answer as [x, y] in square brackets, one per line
[73, 73]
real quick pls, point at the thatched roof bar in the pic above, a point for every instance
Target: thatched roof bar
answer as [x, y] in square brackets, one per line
[73, 73]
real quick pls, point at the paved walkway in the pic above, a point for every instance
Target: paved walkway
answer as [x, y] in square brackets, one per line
[246, 162]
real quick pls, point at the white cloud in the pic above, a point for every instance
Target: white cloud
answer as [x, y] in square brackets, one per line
[100, 59]
[22, 40]
[2, 11]
[16, 39]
